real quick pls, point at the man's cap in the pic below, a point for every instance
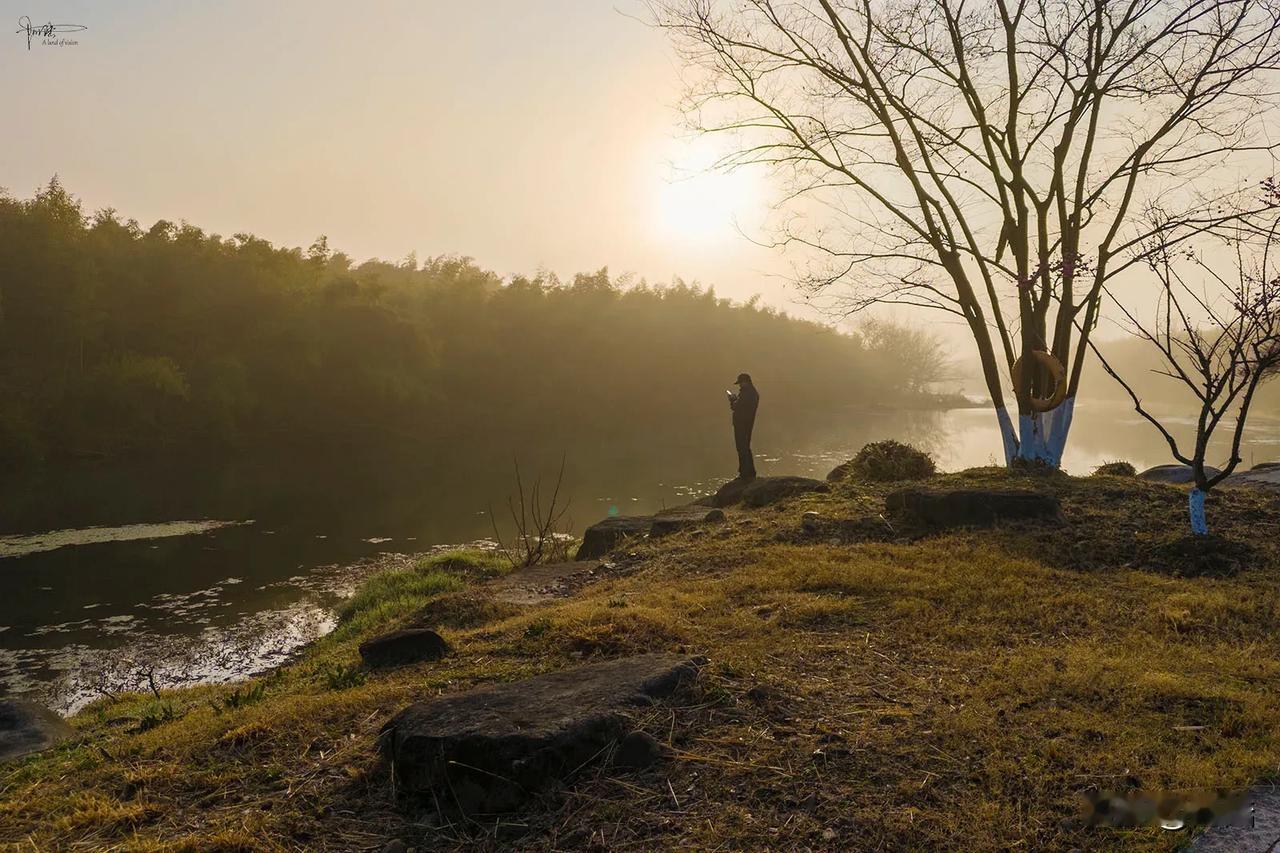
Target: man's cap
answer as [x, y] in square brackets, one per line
[742, 377]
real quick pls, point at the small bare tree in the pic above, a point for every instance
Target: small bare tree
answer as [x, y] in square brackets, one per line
[540, 523]
[987, 158]
[1216, 333]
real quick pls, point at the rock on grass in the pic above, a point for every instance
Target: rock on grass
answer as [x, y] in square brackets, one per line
[26, 727]
[410, 645]
[487, 750]
[763, 491]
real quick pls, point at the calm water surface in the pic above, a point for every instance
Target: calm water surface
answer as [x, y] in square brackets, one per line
[204, 575]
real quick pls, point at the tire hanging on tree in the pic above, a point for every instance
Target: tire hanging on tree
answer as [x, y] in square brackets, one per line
[1057, 372]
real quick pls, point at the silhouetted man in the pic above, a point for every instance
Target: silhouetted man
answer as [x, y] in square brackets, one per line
[744, 405]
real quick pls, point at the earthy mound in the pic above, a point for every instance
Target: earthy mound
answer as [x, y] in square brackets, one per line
[886, 462]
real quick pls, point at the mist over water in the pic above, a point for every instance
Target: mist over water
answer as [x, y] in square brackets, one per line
[212, 571]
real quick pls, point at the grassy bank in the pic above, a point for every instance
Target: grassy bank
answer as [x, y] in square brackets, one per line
[868, 689]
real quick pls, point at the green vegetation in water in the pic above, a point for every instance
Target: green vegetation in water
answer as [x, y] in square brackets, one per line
[928, 694]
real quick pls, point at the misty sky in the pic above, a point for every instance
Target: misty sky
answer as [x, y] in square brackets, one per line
[525, 133]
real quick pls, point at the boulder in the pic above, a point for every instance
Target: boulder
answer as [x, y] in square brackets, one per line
[410, 645]
[767, 490]
[486, 750]
[26, 727]
[1174, 473]
[603, 536]
[762, 491]
[728, 494]
[678, 518]
[972, 507]
[1264, 476]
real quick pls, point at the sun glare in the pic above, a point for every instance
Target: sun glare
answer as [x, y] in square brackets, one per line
[698, 204]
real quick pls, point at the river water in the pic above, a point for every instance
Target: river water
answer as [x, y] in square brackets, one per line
[199, 573]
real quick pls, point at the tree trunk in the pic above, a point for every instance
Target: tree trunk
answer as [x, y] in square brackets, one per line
[1199, 525]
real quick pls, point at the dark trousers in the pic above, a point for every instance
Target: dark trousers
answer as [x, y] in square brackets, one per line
[742, 439]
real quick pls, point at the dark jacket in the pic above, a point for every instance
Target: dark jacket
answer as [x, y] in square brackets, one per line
[744, 407]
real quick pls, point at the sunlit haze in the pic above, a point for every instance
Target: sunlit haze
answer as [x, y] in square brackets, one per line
[527, 135]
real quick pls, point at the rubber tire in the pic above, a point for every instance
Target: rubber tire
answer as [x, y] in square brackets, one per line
[1049, 362]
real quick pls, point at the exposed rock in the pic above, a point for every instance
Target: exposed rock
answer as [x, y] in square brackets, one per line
[638, 751]
[972, 507]
[1264, 476]
[1174, 473]
[764, 490]
[410, 645]
[26, 727]
[603, 536]
[487, 749]
[767, 490]
[728, 494]
[810, 521]
[678, 518]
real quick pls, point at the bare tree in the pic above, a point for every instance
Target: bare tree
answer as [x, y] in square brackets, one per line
[985, 157]
[1216, 333]
[539, 522]
[916, 355]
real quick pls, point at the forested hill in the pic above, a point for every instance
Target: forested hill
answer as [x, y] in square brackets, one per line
[117, 340]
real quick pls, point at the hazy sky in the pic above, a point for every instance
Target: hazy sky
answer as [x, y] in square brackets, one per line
[525, 133]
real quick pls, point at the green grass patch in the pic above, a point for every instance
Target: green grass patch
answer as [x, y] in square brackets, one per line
[465, 561]
[390, 593]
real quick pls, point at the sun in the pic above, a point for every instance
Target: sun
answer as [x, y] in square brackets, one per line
[697, 203]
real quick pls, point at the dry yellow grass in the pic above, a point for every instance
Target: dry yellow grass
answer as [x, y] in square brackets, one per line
[954, 692]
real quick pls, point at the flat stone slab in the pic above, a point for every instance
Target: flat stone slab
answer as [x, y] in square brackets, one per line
[972, 507]
[26, 727]
[678, 518]
[488, 749]
[1260, 832]
[603, 536]
[762, 491]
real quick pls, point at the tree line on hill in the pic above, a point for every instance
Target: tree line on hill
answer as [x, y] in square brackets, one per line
[118, 340]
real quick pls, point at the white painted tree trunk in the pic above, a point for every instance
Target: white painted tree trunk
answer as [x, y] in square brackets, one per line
[1195, 504]
[1040, 437]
